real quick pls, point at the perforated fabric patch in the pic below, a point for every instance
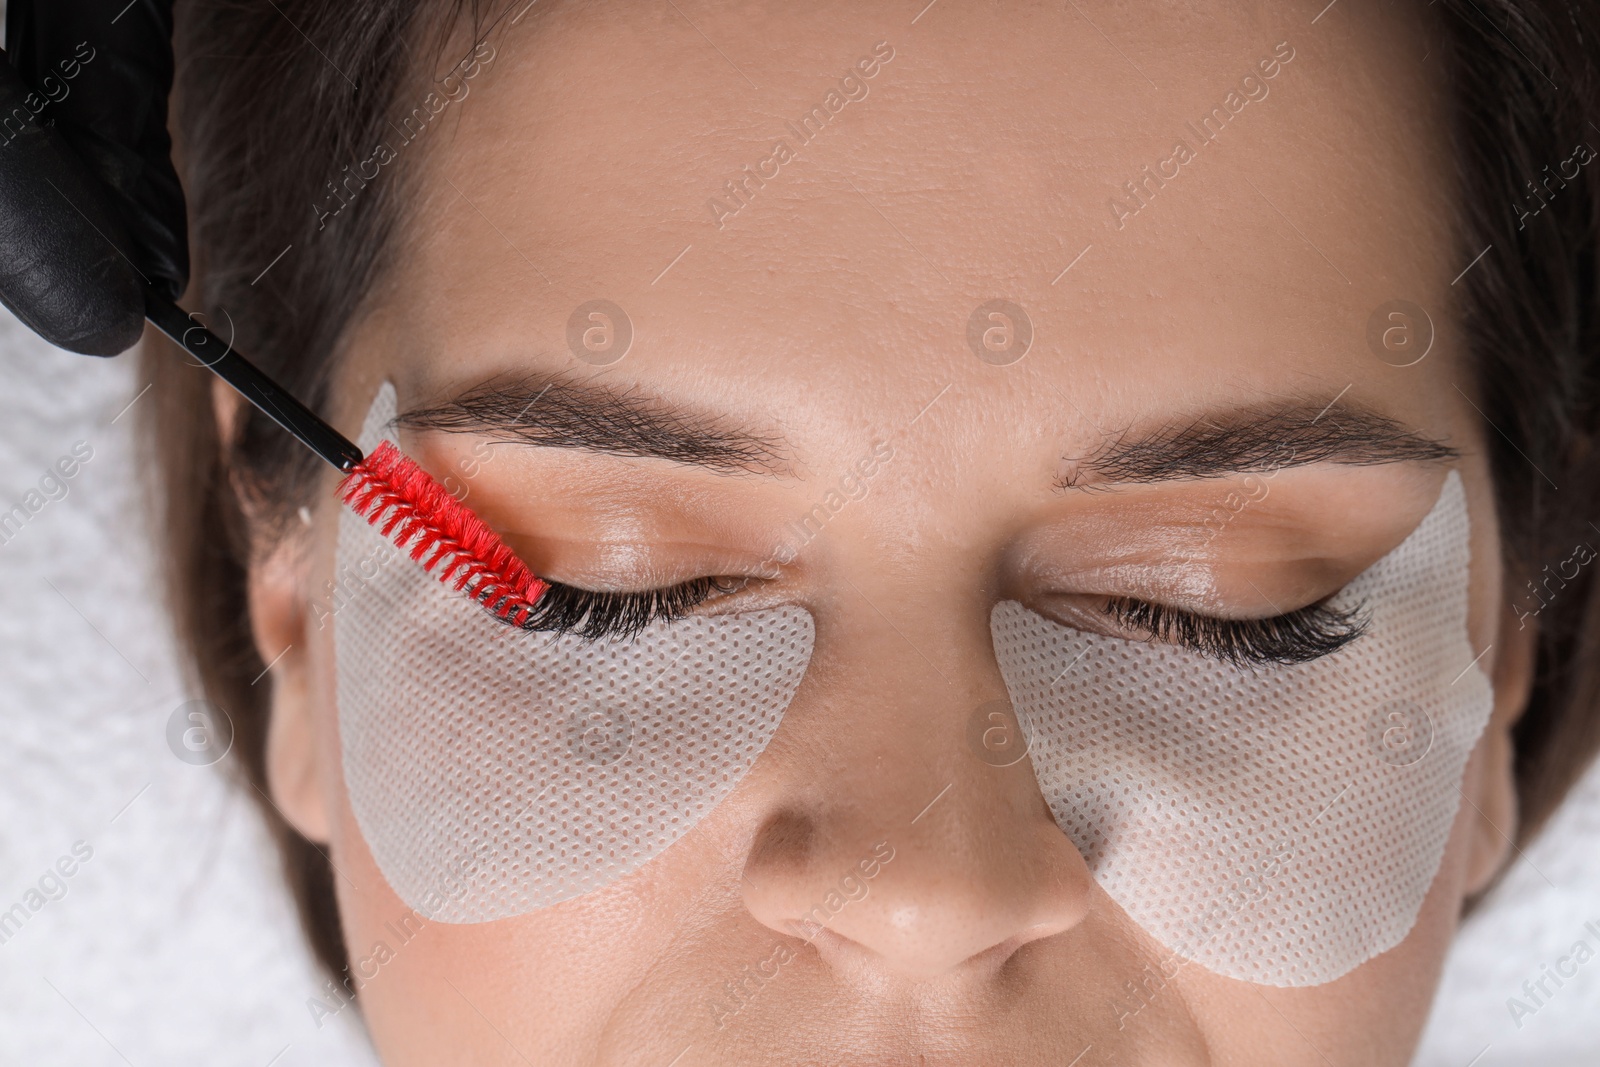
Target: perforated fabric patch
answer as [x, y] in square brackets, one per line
[1281, 827]
[494, 771]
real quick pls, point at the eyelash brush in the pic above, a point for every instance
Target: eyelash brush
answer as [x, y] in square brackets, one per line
[387, 488]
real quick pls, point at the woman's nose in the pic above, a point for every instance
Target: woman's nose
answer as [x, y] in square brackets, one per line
[959, 890]
[899, 842]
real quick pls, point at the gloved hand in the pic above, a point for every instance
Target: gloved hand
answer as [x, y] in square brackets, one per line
[112, 111]
[82, 237]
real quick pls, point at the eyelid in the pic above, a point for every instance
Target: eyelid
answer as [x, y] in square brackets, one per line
[644, 564]
[1299, 636]
[600, 614]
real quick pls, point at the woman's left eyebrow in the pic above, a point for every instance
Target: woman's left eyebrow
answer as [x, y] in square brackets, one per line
[558, 413]
[1245, 440]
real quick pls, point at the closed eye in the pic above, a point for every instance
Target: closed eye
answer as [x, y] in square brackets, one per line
[596, 614]
[1299, 636]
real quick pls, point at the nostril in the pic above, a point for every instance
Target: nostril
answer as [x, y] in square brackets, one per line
[798, 881]
[783, 843]
[924, 947]
[917, 912]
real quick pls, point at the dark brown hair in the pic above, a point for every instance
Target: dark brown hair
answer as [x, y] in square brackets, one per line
[272, 104]
[274, 101]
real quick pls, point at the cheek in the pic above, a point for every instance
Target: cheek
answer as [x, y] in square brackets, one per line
[407, 1003]
[1373, 1015]
[320, 686]
[584, 976]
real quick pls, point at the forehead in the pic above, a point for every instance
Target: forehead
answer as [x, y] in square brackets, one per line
[807, 209]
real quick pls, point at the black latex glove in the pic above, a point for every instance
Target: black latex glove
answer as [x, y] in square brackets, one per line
[62, 268]
[92, 233]
[106, 72]
[91, 213]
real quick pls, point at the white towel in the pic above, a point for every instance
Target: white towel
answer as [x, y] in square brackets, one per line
[175, 942]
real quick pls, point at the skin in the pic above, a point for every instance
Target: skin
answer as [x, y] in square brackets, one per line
[830, 313]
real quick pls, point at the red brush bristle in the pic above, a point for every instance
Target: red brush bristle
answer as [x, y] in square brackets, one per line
[414, 511]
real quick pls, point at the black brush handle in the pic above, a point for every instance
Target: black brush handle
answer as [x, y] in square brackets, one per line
[247, 379]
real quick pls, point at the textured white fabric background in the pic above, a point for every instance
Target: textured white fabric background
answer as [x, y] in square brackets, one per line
[175, 943]
[1533, 919]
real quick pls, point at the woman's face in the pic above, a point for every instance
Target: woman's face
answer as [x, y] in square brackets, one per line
[818, 315]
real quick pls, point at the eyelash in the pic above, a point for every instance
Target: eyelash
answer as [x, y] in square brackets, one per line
[1295, 637]
[566, 609]
[1299, 636]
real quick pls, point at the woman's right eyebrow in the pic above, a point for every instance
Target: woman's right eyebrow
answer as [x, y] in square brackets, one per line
[556, 412]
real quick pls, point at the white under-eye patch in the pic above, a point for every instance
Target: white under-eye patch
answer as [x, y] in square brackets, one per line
[1281, 827]
[494, 771]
